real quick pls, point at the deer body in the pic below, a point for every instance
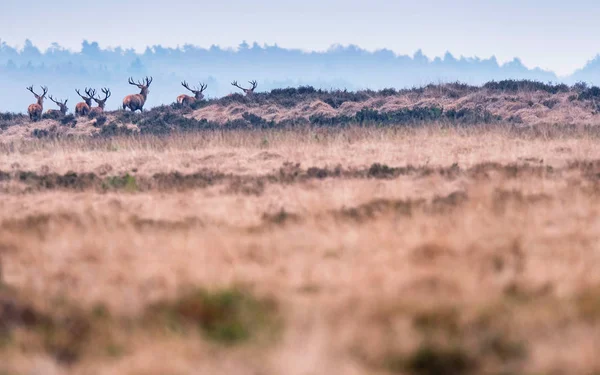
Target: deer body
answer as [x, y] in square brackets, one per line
[101, 103]
[55, 113]
[136, 101]
[35, 110]
[83, 108]
[189, 100]
[249, 91]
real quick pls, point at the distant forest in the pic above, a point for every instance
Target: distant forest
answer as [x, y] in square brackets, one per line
[340, 67]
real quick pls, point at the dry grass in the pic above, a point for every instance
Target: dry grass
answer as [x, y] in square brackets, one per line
[487, 266]
[532, 108]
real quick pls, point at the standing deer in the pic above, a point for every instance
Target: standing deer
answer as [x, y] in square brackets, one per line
[56, 113]
[83, 108]
[189, 100]
[35, 110]
[136, 102]
[101, 103]
[246, 91]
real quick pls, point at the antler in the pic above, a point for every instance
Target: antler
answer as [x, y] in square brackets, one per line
[90, 92]
[234, 83]
[78, 93]
[45, 89]
[55, 101]
[106, 93]
[30, 88]
[147, 81]
[254, 84]
[194, 89]
[185, 84]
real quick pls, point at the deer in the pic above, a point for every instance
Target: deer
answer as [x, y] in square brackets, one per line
[136, 102]
[35, 110]
[101, 103]
[189, 100]
[56, 113]
[83, 108]
[246, 91]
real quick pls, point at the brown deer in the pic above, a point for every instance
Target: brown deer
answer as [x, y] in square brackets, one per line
[56, 113]
[136, 102]
[83, 108]
[101, 103]
[189, 100]
[35, 110]
[246, 91]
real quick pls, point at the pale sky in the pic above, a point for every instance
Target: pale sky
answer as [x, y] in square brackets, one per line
[558, 35]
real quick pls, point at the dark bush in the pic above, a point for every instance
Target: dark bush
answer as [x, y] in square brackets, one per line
[113, 129]
[9, 116]
[257, 121]
[69, 120]
[51, 116]
[589, 93]
[511, 85]
[100, 120]
[228, 316]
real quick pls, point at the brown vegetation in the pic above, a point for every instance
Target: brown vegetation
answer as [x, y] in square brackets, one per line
[412, 251]
[526, 107]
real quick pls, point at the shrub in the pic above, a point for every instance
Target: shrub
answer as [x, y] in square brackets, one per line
[589, 93]
[228, 316]
[511, 85]
[126, 182]
[430, 360]
[113, 129]
[68, 120]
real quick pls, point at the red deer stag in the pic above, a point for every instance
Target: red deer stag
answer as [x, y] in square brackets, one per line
[57, 113]
[136, 102]
[83, 108]
[35, 110]
[101, 103]
[189, 100]
[246, 91]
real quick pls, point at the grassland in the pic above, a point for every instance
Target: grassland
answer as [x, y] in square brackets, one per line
[308, 251]
[528, 106]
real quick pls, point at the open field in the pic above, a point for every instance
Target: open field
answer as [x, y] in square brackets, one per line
[430, 250]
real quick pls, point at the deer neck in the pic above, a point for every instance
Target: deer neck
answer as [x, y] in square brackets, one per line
[144, 93]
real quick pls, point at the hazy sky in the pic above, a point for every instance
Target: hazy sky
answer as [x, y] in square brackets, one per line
[553, 34]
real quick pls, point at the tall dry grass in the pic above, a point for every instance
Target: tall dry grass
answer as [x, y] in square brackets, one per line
[489, 266]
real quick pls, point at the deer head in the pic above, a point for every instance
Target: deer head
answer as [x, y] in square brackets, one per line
[90, 94]
[62, 105]
[143, 86]
[40, 98]
[197, 91]
[102, 102]
[246, 91]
